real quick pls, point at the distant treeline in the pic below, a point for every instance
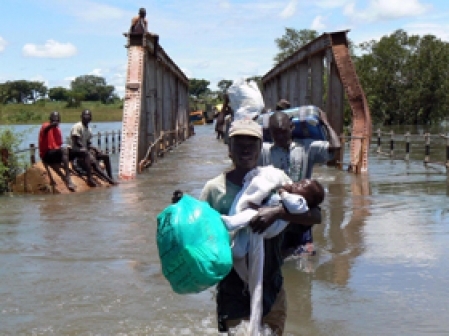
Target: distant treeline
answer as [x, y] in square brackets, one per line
[405, 78]
[82, 88]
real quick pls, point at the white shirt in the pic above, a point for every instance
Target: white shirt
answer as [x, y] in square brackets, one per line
[85, 134]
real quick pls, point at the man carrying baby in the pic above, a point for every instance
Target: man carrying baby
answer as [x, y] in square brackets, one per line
[233, 299]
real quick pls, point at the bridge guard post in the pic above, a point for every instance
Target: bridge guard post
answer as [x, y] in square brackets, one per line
[361, 117]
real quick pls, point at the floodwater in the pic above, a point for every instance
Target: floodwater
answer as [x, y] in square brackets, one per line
[87, 264]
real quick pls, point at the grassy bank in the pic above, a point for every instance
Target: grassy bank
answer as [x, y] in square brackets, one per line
[11, 114]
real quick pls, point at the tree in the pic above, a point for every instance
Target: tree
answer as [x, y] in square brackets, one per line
[58, 93]
[93, 88]
[291, 41]
[223, 85]
[198, 87]
[405, 78]
[74, 99]
[21, 91]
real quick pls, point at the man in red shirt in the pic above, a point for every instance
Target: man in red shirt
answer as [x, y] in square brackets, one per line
[52, 152]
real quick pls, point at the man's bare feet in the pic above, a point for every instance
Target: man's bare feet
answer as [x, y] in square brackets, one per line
[70, 184]
[91, 183]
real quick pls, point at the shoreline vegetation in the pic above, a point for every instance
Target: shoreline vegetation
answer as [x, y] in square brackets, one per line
[37, 113]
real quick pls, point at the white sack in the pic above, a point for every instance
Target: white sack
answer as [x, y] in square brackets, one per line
[245, 99]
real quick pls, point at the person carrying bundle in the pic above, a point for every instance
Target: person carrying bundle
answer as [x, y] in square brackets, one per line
[233, 299]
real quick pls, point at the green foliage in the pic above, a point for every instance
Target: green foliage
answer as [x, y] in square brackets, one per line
[198, 87]
[10, 164]
[405, 78]
[92, 88]
[223, 85]
[24, 116]
[291, 41]
[58, 93]
[20, 91]
[36, 114]
[75, 99]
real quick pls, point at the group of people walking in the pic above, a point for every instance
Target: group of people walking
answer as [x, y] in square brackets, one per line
[80, 153]
[295, 157]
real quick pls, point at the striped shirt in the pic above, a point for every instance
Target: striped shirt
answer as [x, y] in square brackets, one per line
[297, 162]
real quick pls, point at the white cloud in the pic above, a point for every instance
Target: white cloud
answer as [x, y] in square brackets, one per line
[379, 10]
[98, 72]
[51, 49]
[118, 80]
[290, 9]
[318, 24]
[3, 44]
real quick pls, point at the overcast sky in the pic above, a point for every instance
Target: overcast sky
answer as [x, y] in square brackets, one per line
[56, 40]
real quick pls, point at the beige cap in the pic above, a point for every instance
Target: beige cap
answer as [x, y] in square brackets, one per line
[245, 127]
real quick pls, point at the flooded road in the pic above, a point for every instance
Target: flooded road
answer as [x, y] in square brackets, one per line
[87, 264]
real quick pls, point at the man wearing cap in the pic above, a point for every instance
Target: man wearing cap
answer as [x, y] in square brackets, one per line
[233, 299]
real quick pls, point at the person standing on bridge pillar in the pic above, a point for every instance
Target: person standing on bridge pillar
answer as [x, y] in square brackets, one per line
[296, 157]
[233, 298]
[139, 26]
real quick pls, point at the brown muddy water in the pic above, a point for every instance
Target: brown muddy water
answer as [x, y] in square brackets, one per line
[87, 264]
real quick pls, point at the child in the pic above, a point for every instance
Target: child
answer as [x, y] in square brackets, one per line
[296, 197]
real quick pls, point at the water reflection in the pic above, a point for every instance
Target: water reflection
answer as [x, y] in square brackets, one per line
[339, 240]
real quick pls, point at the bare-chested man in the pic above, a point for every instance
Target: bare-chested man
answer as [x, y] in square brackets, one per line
[139, 26]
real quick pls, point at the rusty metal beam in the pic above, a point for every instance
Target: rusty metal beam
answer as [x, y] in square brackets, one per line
[318, 45]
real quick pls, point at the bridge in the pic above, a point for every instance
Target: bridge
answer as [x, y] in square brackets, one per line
[155, 112]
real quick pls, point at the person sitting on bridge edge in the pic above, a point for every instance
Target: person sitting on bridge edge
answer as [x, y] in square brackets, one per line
[233, 299]
[81, 136]
[139, 26]
[51, 150]
[296, 157]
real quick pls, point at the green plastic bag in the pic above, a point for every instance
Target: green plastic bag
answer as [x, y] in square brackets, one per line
[194, 245]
